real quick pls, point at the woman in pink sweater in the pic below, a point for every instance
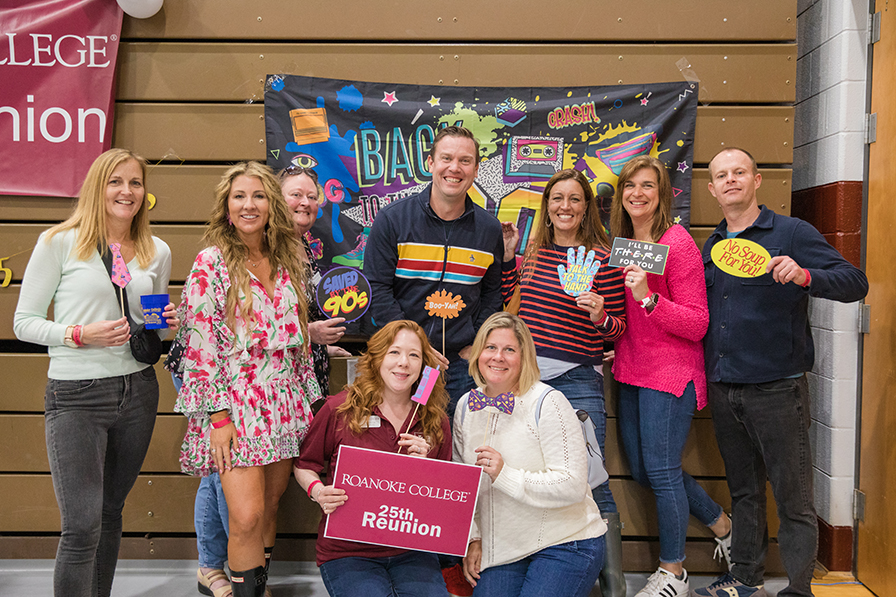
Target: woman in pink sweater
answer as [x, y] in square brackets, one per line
[659, 364]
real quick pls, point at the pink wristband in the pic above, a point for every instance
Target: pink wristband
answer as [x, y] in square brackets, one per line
[222, 423]
[76, 335]
[313, 484]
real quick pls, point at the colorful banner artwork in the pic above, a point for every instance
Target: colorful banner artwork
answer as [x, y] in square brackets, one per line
[404, 501]
[368, 143]
[57, 65]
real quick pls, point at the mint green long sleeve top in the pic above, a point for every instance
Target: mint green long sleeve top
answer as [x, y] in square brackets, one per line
[81, 293]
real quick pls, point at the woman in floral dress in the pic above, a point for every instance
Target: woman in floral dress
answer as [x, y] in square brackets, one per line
[248, 380]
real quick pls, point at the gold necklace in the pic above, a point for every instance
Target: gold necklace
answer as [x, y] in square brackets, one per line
[252, 263]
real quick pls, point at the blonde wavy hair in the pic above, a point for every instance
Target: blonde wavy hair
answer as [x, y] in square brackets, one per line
[280, 244]
[367, 391]
[89, 217]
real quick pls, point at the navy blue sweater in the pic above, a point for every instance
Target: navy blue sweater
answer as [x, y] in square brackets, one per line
[412, 253]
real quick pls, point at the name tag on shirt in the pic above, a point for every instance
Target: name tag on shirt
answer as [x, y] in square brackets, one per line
[373, 422]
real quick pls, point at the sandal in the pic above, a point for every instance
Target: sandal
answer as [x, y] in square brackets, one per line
[205, 581]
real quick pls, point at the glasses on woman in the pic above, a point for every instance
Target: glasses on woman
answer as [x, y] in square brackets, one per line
[298, 171]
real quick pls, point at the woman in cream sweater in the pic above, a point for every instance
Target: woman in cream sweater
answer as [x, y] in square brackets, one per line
[536, 530]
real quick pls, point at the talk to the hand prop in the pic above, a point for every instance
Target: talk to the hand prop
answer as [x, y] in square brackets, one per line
[578, 275]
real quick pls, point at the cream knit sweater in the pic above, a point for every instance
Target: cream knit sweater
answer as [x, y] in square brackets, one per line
[541, 497]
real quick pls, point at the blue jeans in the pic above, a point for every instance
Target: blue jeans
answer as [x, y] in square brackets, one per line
[654, 426]
[411, 574]
[763, 432]
[210, 516]
[565, 570]
[584, 388]
[98, 432]
[459, 383]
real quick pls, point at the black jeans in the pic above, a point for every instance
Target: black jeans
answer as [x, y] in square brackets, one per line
[763, 432]
[98, 431]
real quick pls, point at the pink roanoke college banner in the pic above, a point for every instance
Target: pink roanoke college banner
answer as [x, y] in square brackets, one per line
[404, 501]
[57, 71]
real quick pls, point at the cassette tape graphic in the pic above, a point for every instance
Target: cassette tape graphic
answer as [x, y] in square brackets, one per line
[538, 157]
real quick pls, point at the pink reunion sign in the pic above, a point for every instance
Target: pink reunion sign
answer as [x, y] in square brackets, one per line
[404, 501]
[57, 67]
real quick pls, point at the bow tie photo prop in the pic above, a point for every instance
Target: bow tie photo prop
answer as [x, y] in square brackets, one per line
[501, 403]
[121, 276]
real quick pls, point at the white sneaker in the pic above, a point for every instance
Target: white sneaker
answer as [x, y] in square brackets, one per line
[664, 584]
[723, 550]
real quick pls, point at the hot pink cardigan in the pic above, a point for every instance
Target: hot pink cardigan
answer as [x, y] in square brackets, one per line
[663, 350]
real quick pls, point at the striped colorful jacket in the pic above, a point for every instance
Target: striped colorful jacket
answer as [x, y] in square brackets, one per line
[412, 253]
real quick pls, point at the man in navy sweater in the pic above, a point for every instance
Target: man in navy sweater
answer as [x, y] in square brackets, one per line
[758, 349]
[439, 240]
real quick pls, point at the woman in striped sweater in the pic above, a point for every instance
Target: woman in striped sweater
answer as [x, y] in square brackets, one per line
[570, 329]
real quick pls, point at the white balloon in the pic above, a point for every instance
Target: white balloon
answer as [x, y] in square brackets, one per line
[140, 9]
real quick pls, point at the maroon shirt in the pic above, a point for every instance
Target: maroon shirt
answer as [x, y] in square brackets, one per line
[328, 431]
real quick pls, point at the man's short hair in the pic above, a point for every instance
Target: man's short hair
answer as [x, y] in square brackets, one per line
[743, 151]
[454, 131]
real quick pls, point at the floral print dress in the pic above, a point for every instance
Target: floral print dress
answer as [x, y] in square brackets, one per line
[259, 371]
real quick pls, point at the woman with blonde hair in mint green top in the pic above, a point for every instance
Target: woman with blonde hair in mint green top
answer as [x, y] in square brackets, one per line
[100, 401]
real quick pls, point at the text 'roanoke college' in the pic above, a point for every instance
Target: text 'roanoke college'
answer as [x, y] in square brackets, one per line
[437, 493]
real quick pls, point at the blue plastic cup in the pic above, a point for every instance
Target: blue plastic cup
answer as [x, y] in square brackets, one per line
[153, 307]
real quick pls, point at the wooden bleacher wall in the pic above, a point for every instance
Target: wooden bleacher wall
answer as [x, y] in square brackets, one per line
[190, 99]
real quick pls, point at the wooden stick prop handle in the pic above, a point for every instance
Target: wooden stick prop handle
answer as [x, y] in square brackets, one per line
[410, 424]
[488, 426]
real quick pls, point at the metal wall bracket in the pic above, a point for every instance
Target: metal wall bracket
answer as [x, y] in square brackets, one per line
[873, 28]
[865, 319]
[870, 128]
[858, 505]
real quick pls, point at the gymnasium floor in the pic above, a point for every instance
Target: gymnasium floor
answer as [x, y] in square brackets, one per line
[177, 578]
